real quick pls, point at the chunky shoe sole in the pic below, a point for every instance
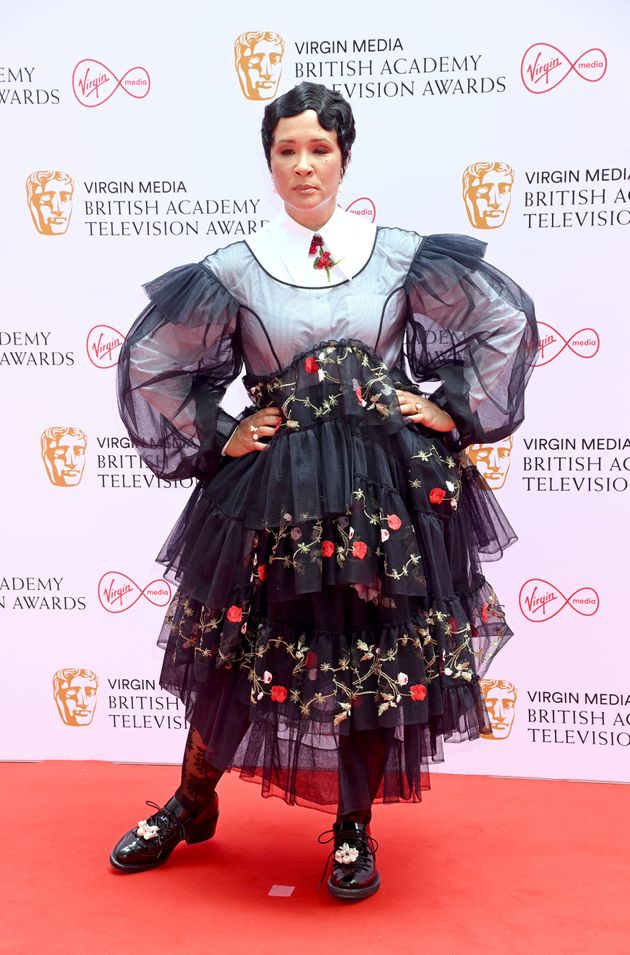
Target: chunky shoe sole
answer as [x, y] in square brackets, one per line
[199, 833]
[348, 894]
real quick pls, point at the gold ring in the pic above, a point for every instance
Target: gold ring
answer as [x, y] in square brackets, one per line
[254, 434]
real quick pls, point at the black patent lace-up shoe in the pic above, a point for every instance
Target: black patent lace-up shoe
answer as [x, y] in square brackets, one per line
[354, 874]
[152, 842]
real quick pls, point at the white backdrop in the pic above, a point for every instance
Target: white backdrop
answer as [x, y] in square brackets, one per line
[139, 110]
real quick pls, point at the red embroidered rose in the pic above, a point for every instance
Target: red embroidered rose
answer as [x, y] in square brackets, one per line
[324, 261]
[359, 549]
[418, 691]
[311, 660]
[452, 624]
[484, 613]
[279, 694]
[234, 614]
[262, 572]
[394, 522]
[436, 495]
[359, 394]
[328, 548]
[311, 365]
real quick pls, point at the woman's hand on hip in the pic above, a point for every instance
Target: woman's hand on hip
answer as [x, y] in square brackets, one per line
[418, 410]
[247, 436]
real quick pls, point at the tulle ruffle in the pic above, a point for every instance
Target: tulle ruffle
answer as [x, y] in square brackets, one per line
[398, 667]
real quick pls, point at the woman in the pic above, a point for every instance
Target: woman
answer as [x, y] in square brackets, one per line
[331, 621]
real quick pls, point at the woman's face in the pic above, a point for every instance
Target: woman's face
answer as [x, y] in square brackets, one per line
[306, 168]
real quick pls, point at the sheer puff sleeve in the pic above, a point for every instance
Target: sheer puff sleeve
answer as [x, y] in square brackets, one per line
[474, 330]
[174, 368]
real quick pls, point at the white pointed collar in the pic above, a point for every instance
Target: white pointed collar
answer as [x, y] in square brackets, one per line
[282, 248]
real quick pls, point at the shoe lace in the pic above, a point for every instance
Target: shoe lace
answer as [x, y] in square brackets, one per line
[360, 840]
[164, 815]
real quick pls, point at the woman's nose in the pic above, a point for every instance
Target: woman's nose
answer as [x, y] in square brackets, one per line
[303, 164]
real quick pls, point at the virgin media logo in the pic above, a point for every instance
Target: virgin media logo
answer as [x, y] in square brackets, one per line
[103, 345]
[364, 208]
[544, 67]
[118, 592]
[93, 83]
[583, 344]
[541, 601]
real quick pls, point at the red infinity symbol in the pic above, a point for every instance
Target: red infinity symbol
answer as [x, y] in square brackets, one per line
[118, 592]
[584, 343]
[93, 83]
[542, 61]
[103, 344]
[541, 601]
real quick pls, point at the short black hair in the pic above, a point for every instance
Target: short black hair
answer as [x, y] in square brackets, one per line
[333, 113]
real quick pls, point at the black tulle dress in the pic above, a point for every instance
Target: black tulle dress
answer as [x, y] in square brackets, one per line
[330, 594]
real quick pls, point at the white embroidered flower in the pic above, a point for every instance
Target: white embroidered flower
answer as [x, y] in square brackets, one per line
[146, 831]
[403, 679]
[346, 854]
[351, 533]
[321, 374]
[260, 695]
[450, 486]
[384, 534]
[287, 517]
[267, 677]
[448, 671]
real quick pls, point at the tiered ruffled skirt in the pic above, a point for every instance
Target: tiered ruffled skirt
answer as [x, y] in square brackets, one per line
[331, 585]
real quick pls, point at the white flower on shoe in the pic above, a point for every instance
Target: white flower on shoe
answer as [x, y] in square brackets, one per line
[145, 831]
[346, 854]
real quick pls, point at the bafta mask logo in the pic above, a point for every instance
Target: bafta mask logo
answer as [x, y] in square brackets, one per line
[75, 695]
[500, 699]
[49, 194]
[63, 451]
[492, 461]
[258, 62]
[487, 193]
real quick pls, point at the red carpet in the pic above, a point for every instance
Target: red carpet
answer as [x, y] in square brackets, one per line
[483, 865]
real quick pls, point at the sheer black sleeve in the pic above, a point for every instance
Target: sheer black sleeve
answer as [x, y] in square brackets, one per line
[174, 367]
[473, 329]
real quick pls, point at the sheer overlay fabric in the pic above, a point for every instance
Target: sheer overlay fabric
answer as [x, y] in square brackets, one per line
[331, 610]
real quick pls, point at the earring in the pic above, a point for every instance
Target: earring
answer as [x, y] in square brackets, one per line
[340, 187]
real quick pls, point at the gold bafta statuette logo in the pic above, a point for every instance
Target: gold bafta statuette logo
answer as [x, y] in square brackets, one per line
[487, 188]
[75, 695]
[258, 62]
[49, 194]
[500, 699]
[492, 461]
[63, 452]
